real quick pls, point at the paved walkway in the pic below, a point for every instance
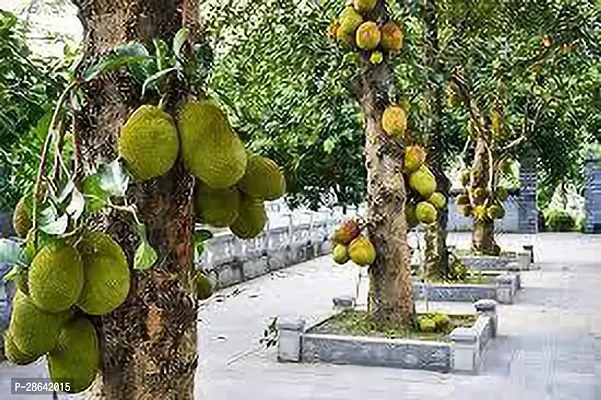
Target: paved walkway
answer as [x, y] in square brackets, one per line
[549, 344]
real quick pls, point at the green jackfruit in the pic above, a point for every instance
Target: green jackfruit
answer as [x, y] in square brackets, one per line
[364, 6]
[426, 324]
[262, 179]
[210, 148]
[203, 289]
[340, 254]
[217, 207]
[438, 200]
[376, 58]
[349, 21]
[423, 182]
[442, 321]
[21, 218]
[391, 37]
[149, 143]
[426, 213]
[106, 274]
[15, 355]
[32, 330]
[414, 158]
[368, 36]
[251, 218]
[76, 358]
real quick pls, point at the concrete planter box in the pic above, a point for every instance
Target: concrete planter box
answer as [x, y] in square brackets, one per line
[462, 353]
[505, 262]
[502, 290]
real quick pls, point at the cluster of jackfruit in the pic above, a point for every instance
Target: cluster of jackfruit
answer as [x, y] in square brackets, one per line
[232, 185]
[434, 322]
[479, 202]
[423, 201]
[351, 244]
[357, 26]
[66, 280]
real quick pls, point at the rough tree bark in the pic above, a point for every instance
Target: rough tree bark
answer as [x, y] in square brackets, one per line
[436, 257]
[390, 293]
[148, 345]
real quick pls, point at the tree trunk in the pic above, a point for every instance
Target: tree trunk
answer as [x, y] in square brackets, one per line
[390, 293]
[483, 240]
[437, 258]
[148, 345]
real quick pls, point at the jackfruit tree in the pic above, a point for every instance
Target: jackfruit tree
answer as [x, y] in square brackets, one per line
[505, 74]
[136, 152]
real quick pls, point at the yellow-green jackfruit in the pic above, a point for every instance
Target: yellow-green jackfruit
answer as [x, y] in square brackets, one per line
[426, 213]
[149, 143]
[376, 58]
[217, 207]
[76, 358]
[56, 277]
[262, 179]
[438, 200]
[368, 36]
[32, 330]
[361, 251]
[394, 120]
[210, 148]
[340, 254]
[21, 218]
[106, 274]
[15, 355]
[348, 21]
[423, 182]
[414, 158]
[426, 324]
[391, 37]
[203, 289]
[364, 6]
[251, 218]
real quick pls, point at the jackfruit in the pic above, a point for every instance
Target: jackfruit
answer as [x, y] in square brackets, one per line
[391, 37]
[15, 355]
[217, 207]
[462, 200]
[415, 157]
[364, 6]
[76, 358]
[203, 289]
[501, 193]
[426, 213]
[361, 251]
[410, 217]
[368, 36]
[262, 179]
[423, 182]
[32, 330]
[426, 324]
[346, 232]
[210, 149]
[465, 210]
[22, 281]
[376, 58]
[22, 218]
[438, 200]
[106, 274]
[480, 212]
[340, 254]
[495, 212]
[480, 195]
[149, 143]
[349, 21]
[394, 120]
[251, 218]
[442, 321]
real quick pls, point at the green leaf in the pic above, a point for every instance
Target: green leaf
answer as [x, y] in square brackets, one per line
[203, 235]
[178, 41]
[160, 53]
[145, 256]
[10, 251]
[95, 197]
[113, 179]
[76, 206]
[127, 55]
[57, 226]
[156, 77]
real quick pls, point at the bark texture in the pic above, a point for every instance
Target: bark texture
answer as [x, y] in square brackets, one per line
[437, 258]
[148, 345]
[390, 294]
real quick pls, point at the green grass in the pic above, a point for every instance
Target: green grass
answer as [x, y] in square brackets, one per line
[359, 323]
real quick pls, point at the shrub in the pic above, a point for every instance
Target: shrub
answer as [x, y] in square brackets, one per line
[559, 221]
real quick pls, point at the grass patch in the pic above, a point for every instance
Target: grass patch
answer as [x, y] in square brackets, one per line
[360, 323]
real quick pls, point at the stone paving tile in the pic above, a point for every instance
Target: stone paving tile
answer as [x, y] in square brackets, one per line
[549, 344]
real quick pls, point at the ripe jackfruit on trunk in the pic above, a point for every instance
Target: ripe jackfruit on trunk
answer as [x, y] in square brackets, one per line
[262, 179]
[368, 36]
[426, 213]
[340, 254]
[414, 158]
[217, 207]
[251, 218]
[210, 148]
[394, 121]
[362, 252]
[22, 218]
[347, 232]
[423, 182]
[391, 37]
